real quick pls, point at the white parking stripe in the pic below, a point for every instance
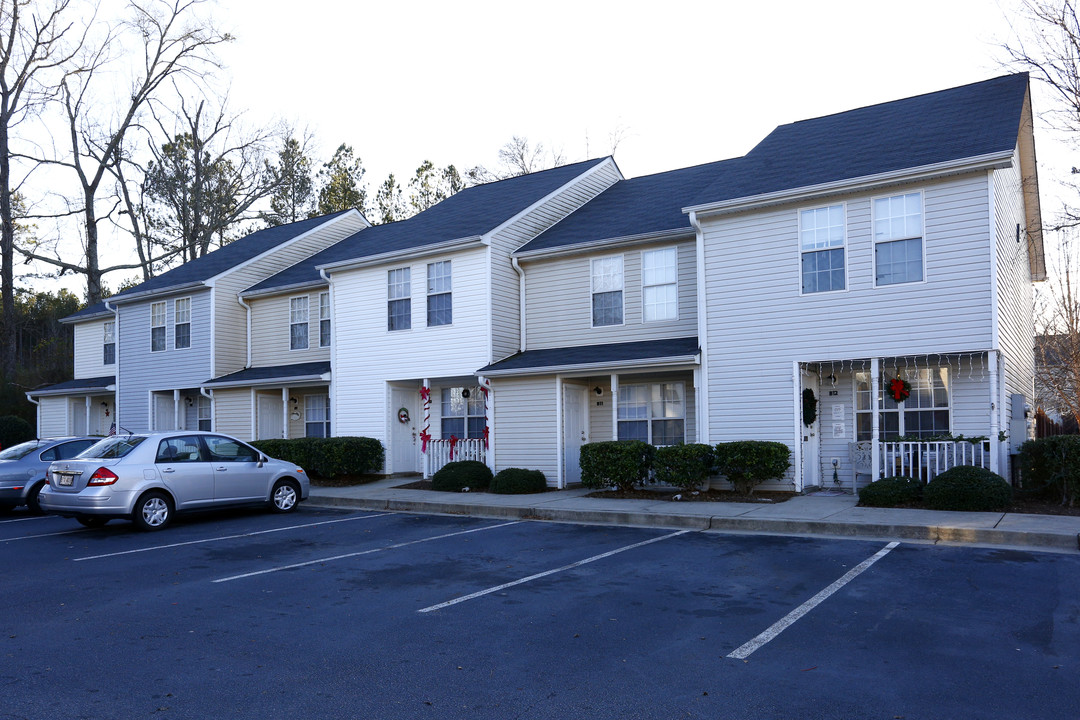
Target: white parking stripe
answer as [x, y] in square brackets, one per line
[746, 650]
[228, 537]
[31, 537]
[32, 517]
[530, 578]
[362, 552]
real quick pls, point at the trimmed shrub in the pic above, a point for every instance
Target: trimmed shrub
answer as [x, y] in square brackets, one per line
[517, 481]
[455, 476]
[966, 487]
[14, 430]
[619, 464]
[328, 457]
[1051, 464]
[748, 463]
[890, 492]
[684, 466]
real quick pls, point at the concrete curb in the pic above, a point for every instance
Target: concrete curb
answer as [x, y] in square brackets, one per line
[922, 533]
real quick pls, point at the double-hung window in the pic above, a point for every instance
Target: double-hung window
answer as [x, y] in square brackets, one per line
[317, 416]
[440, 307]
[607, 291]
[654, 413]
[898, 239]
[660, 284]
[157, 326]
[821, 246]
[324, 319]
[109, 343]
[204, 413]
[182, 323]
[463, 414]
[398, 300]
[925, 412]
[298, 323]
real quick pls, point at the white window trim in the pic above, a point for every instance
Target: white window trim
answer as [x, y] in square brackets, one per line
[641, 261]
[327, 427]
[427, 295]
[799, 252]
[887, 373]
[164, 324]
[650, 419]
[175, 323]
[307, 321]
[592, 318]
[325, 344]
[105, 341]
[874, 241]
[406, 297]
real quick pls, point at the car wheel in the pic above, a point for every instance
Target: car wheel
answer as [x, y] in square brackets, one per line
[32, 503]
[285, 496]
[92, 521]
[153, 511]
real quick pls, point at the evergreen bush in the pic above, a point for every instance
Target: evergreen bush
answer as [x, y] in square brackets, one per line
[684, 466]
[620, 464]
[14, 430]
[518, 481]
[748, 463]
[1051, 465]
[327, 457]
[966, 487]
[890, 492]
[455, 476]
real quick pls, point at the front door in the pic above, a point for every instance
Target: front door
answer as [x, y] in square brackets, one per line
[575, 430]
[811, 440]
[271, 425]
[405, 431]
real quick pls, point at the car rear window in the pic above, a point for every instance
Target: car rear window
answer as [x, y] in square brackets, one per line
[18, 452]
[116, 446]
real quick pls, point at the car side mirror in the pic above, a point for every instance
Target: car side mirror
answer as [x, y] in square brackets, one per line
[262, 459]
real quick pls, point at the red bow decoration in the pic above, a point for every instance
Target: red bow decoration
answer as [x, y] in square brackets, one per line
[425, 393]
[487, 431]
[453, 444]
[425, 437]
[899, 389]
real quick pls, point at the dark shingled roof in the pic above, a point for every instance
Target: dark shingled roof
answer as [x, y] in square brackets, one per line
[79, 384]
[595, 354]
[220, 260]
[470, 213]
[275, 372]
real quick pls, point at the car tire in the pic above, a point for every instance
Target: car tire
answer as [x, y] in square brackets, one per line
[153, 511]
[32, 503]
[285, 496]
[92, 521]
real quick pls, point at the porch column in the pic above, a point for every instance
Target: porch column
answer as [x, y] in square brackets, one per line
[489, 422]
[560, 480]
[875, 422]
[254, 434]
[796, 404]
[425, 461]
[87, 425]
[614, 406]
[284, 412]
[176, 410]
[995, 421]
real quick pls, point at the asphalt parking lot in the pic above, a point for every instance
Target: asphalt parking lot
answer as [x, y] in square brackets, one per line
[352, 614]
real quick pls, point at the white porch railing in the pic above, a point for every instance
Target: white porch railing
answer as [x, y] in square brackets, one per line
[439, 452]
[928, 459]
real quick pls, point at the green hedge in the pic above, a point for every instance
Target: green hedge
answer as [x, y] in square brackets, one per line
[456, 476]
[748, 463]
[14, 430]
[684, 466]
[620, 464]
[890, 492]
[517, 481]
[1052, 464]
[328, 457]
[966, 487]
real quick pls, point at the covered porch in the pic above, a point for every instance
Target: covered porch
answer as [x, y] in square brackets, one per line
[916, 416]
[85, 406]
[284, 401]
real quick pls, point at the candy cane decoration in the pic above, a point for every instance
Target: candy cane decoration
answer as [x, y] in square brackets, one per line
[425, 434]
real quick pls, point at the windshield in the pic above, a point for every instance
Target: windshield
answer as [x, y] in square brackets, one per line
[18, 452]
[116, 446]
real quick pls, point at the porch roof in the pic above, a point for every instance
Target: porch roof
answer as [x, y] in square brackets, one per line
[300, 372]
[76, 386]
[581, 357]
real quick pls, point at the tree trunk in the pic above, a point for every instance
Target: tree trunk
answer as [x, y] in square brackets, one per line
[7, 251]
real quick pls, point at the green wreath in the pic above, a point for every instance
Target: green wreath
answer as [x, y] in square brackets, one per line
[809, 407]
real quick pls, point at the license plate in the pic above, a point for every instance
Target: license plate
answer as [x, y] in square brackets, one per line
[65, 480]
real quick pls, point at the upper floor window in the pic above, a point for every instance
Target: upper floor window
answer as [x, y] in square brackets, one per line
[660, 284]
[898, 239]
[109, 343]
[298, 323]
[316, 416]
[440, 306]
[157, 326]
[463, 413]
[398, 300]
[654, 413]
[324, 319]
[821, 245]
[182, 323]
[607, 291]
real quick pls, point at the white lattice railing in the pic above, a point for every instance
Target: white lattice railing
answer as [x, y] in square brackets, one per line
[439, 452]
[930, 458]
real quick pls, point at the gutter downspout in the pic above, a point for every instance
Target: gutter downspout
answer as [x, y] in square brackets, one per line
[116, 378]
[331, 390]
[37, 414]
[248, 309]
[521, 301]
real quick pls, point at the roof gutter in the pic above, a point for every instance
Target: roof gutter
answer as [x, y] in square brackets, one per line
[592, 245]
[398, 256]
[170, 290]
[269, 382]
[282, 289]
[988, 161]
[589, 367]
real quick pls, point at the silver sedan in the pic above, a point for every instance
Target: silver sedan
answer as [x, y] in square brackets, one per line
[150, 477]
[23, 466]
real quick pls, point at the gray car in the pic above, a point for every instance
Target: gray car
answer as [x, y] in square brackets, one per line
[150, 477]
[23, 466]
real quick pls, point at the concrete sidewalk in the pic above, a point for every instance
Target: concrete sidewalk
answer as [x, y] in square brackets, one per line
[833, 515]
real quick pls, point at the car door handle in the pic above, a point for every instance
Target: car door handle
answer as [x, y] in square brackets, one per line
[221, 467]
[165, 470]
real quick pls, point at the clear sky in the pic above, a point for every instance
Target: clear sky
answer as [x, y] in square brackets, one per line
[683, 83]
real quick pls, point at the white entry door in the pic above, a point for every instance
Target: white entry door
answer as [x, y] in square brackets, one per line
[811, 440]
[404, 436]
[164, 412]
[575, 430]
[271, 425]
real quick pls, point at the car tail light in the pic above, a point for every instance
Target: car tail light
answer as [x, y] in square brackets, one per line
[103, 476]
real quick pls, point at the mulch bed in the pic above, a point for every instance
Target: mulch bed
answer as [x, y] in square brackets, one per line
[426, 485]
[711, 495]
[344, 480]
[1029, 505]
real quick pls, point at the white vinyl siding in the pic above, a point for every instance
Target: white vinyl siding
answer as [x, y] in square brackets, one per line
[89, 338]
[270, 335]
[157, 326]
[298, 323]
[53, 417]
[660, 284]
[525, 427]
[232, 413]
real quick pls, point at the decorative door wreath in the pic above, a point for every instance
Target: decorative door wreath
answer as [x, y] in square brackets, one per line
[403, 415]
